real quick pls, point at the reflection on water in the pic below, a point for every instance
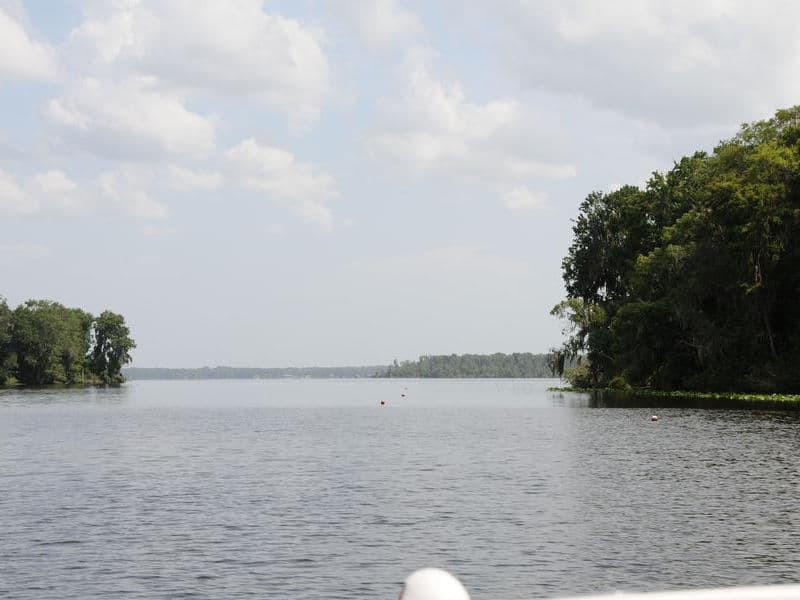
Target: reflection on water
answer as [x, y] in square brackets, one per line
[311, 489]
[65, 395]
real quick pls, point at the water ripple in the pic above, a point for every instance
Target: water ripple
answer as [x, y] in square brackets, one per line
[276, 489]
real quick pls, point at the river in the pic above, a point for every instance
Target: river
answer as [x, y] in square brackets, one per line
[311, 489]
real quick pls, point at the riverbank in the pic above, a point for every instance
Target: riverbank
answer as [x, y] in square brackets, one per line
[733, 397]
[13, 384]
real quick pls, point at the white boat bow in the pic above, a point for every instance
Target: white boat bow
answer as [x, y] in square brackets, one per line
[436, 584]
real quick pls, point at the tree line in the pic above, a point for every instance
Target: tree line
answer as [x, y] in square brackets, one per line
[522, 364]
[692, 282]
[44, 342]
[251, 372]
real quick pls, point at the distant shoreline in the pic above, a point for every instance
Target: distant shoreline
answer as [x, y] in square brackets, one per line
[451, 366]
[209, 373]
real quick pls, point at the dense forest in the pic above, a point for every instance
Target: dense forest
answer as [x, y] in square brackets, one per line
[522, 364]
[251, 372]
[693, 281]
[468, 365]
[44, 343]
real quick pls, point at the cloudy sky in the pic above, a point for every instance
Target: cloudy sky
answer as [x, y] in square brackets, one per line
[347, 182]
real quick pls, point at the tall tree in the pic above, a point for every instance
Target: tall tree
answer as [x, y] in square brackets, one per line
[112, 347]
[7, 358]
[50, 342]
[696, 275]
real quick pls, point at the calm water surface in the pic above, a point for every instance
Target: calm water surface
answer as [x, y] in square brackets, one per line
[309, 489]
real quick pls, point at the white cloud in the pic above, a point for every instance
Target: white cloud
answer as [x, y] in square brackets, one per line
[434, 128]
[225, 48]
[275, 172]
[51, 192]
[124, 191]
[679, 64]
[54, 189]
[188, 180]
[129, 119]
[13, 199]
[380, 23]
[128, 192]
[522, 199]
[22, 57]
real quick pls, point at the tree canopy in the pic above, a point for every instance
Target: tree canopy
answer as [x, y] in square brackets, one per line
[692, 282]
[43, 342]
[520, 364]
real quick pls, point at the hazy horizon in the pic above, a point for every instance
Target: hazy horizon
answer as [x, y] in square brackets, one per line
[342, 183]
[287, 367]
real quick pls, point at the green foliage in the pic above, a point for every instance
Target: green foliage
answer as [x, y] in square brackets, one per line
[50, 342]
[556, 362]
[112, 347]
[585, 323]
[580, 377]
[691, 283]
[619, 384]
[45, 343]
[7, 357]
[522, 364]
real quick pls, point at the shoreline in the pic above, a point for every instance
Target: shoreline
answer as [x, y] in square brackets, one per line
[60, 386]
[788, 399]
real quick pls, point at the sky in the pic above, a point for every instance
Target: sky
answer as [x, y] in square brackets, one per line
[344, 182]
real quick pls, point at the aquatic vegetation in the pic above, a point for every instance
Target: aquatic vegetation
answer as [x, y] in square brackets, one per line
[685, 394]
